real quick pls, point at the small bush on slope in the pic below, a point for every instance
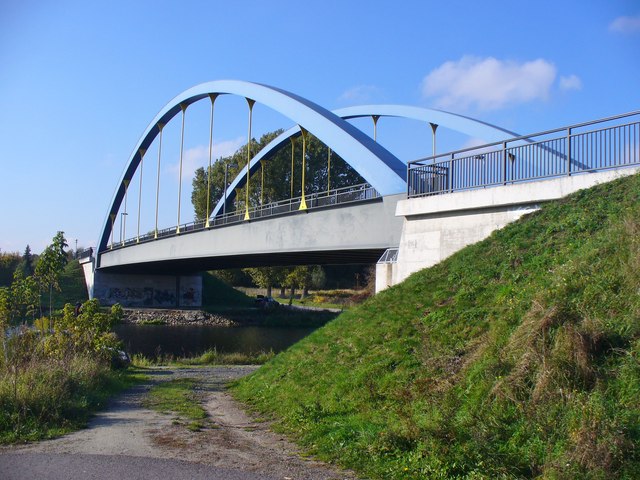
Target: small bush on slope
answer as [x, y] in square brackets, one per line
[518, 357]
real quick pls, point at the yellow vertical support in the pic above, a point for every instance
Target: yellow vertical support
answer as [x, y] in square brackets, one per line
[246, 208]
[303, 202]
[142, 152]
[212, 97]
[160, 127]
[293, 148]
[184, 109]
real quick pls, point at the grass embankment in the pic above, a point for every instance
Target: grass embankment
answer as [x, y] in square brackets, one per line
[218, 296]
[518, 357]
[72, 286]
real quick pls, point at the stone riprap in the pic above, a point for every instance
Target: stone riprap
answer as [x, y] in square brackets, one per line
[175, 317]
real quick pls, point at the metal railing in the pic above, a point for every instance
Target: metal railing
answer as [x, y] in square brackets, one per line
[390, 255]
[83, 253]
[587, 147]
[339, 196]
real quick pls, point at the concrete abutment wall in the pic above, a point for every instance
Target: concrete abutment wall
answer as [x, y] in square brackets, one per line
[438, 226]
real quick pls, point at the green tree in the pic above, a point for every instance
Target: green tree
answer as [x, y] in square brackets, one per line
[299, 277]
[318, 278]
[50, 266]
[5, 308]
[88, 331]
[8, 264]
[266, 277]
[24, 296]
[26, 264]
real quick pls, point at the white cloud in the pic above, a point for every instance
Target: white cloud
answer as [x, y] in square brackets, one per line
[488, 83]
[625, 25]
[572, 82]
[196, 157]
[228, 147]
[360, 94]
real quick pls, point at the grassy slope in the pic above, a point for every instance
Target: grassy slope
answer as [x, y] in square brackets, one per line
[217, 294]
[72, 287]
[518, 357]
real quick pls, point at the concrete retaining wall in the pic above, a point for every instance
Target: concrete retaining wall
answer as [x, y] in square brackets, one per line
[435, 227]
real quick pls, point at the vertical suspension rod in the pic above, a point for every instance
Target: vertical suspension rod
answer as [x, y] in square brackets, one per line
[124, 214]
[212, 97]
[433, 137]
[328, 170]
[375, 119]
[246, 209]
[142, 152]
[303, 202]
[160, 127]
[183, 107]
[293, 145]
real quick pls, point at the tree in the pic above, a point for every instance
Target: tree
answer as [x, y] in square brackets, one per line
[266, 277]
[50, 266]
[26, 264]
[24, 296]
[8, 264]
[318, 278]
[299, 277]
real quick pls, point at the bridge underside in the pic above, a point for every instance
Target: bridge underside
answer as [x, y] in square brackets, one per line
[185, 266]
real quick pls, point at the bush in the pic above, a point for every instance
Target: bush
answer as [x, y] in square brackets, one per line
[51, 381]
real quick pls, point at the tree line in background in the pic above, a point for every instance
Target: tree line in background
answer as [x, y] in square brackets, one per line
[24, 280]
[302, 277]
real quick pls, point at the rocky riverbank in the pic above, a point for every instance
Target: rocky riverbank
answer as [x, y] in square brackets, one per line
[175, 317]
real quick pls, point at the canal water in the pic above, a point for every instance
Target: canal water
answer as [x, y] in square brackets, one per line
[189, 341]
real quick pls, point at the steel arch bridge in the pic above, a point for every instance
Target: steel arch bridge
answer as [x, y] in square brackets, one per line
[379, 167]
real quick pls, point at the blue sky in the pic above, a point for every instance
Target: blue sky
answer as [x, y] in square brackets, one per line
[80, 81]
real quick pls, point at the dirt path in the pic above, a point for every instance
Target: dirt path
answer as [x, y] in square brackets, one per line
[234, 440]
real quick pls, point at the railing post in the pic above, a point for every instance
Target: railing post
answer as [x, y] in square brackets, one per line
[504, 163]
[569, 151]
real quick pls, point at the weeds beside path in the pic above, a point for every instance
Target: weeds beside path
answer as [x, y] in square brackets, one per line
[228, 439]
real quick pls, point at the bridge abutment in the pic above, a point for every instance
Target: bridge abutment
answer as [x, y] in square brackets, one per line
[435, 227]
[146, 291]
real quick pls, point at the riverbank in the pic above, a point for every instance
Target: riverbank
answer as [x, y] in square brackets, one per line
[154, 316]
[282, 316]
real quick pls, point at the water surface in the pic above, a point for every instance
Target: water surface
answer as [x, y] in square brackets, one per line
[154, 340]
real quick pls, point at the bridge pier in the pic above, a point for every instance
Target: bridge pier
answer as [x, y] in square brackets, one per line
[151, 291]
[437, 226]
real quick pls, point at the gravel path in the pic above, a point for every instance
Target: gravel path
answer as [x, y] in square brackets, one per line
[144, 442]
